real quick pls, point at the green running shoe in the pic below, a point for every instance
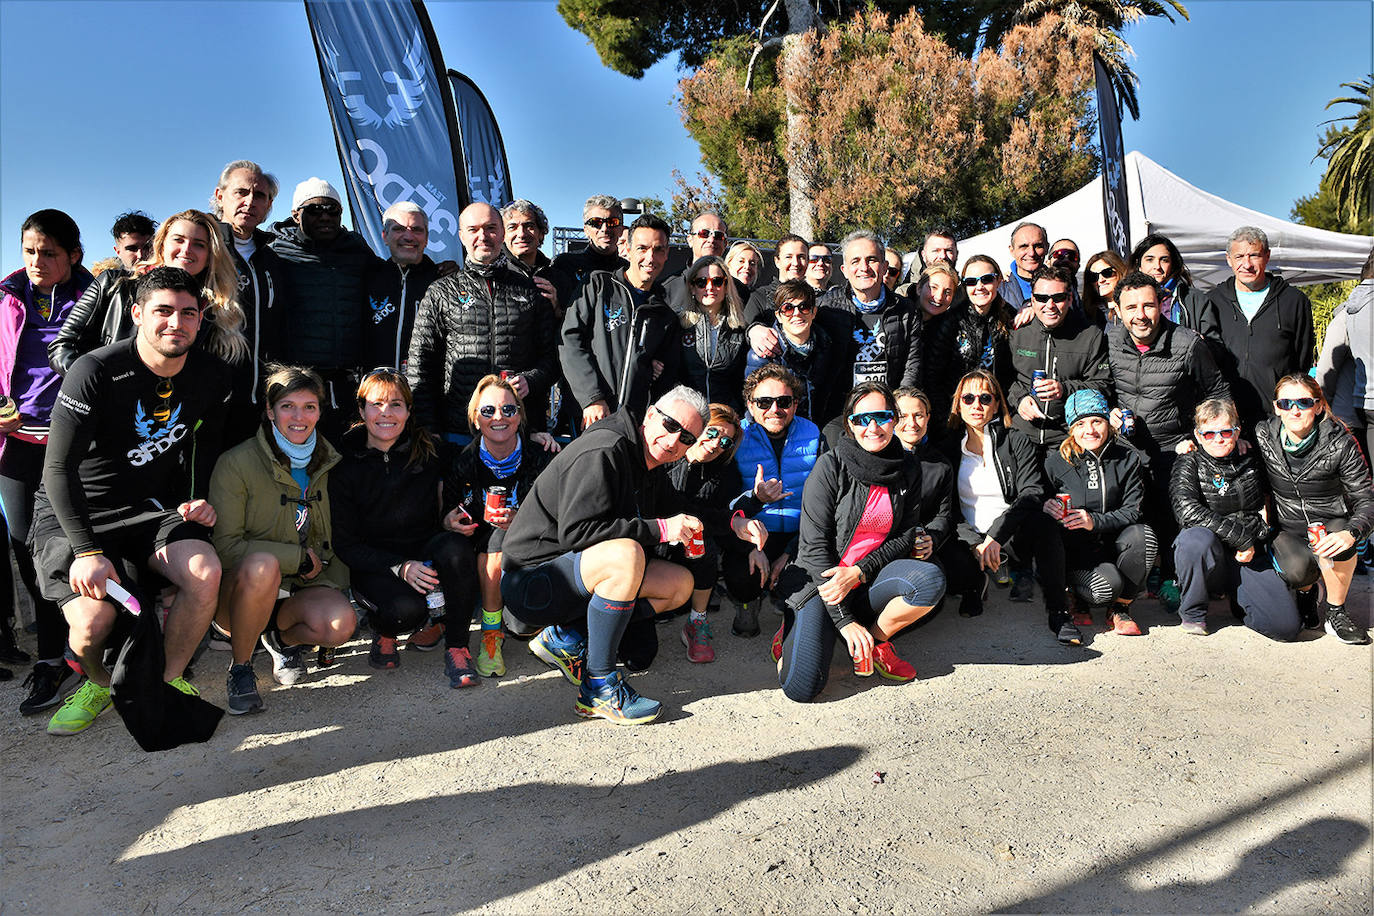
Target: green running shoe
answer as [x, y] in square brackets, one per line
[79, 710]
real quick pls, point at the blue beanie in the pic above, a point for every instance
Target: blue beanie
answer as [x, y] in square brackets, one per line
[1086, 402]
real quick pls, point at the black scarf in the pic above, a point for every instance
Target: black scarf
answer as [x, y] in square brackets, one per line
[884, 469]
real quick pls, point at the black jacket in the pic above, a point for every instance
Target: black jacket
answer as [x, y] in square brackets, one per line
[263, 296]
[468, 477]
[718, 373]
[609, 345]
[1111, 486]
[821, 368]
[563, 284]
[393, 297]
[1019, 472]
[1331, 481]
[99, 318]
[592, 491]
[385, 509]
[961, 340]
[328, 296]
[578, 266]
[1074, 353]
[1163, 384]
[901, 327]
[1224, 495]
[482, 319]
[712, 491]
[1196, 314]
[1256, 354]
[833, 503]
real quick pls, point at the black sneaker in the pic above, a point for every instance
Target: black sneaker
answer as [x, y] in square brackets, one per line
[1307, 609]
[45, 687]
[243, 690]
[1022, 586]
[1062, 626]
[971, 603]
[746, 622]
[1339, 625]
[12, 654]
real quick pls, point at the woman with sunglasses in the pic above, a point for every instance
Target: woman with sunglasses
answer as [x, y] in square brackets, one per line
[1323, 502]
[503, 456]
[1105, 270]
[282, 579]
[1000, 485]
[745, 263]
[975, 333]
[1157, 256]
[777, 451]
[714, 347]
[803, 347]
[1108, 549]
[1219, 497]
[871, 524]
[384, 494]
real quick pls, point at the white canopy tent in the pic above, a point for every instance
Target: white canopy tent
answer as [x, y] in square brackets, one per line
[1197, 222]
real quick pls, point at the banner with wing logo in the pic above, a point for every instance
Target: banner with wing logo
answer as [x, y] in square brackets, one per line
[483, 149]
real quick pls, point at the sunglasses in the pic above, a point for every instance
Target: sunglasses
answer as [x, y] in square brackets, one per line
[893, 271]
[1105, 273]
[714, 235]
[507, 410]
[1227, 433]
[674, 428]
[800, 308]
[322, 209]
[1295, 403]
[713, 432]
[985, 398]
[784, 402]
[818, 259]
[881, 417]
[713, 282]
[603, 222]
[1059, 298]
[1063, 254]
[382, 372]
[981, 280]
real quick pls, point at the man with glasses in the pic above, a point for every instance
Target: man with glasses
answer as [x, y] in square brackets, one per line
[1029, 244]
[603, 221]
[577, 557]
[620, 337]
[1161, 372]
[777, 451]
[707, 238]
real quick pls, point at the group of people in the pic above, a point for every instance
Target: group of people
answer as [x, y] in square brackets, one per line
[566, 451]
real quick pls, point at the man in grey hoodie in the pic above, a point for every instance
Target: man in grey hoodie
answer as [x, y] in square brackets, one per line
[1345, 369]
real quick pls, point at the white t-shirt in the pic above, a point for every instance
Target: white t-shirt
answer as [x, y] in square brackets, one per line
[245, 247]
[980, 490]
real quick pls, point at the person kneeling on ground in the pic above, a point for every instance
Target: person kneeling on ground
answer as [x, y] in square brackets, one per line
[864, 571]
[575, 558]
[283, 580]
[1218, 497]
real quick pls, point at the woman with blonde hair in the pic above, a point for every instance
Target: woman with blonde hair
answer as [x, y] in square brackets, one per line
[745, 263]
[714, 346]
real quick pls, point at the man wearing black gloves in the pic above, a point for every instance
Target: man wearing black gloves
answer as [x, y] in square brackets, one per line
[135, 431]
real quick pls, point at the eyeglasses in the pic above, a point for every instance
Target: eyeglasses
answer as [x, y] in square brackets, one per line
[784, 402]
[674, 428]
[1295, 403]
[981, 280]
[1047, 297]
[487, 411]
[322, 209]
[713, 282]
[800, 308]
[603, 222]
[881, 417]
[714, 235]
[1105, 273]
[1227, 433]
[985, 398]
[713, 432]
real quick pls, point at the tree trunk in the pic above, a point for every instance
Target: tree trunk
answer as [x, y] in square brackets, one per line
[801, 18]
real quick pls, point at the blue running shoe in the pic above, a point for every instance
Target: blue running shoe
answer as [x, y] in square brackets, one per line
[617, 701]
[569, 656]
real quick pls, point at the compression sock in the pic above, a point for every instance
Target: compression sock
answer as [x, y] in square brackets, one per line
[697, 617]
[491, 620]
[606, 623]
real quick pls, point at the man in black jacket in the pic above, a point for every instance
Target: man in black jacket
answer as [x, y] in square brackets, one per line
[1070, 352]
[487, 317]
[603, 223]
[620, 337]
[396, 286]
[576, 558]
[1265, 324]
[526, 226]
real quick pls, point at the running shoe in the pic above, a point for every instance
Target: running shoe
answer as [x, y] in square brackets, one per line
[776, 648]
[383, 654]
[79, 710]
[288, 667]
[1064, 630]
[889, 665]
[1169, 595]
[697, 638]
[45, 687]
[1339, 625]
[746, 622]
[242, 688]
[489, 661]
[615, 700]
[185, 686]
[569, 657]
[1123, 624]
[1307, 609]
[1022, 586]
[458, 667]
[428, 639]
[1194, 627]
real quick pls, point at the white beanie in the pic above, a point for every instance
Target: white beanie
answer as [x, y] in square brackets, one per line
[312, 188]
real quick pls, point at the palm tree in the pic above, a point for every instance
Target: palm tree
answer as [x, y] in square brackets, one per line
[1105, 19]
[1350, 152]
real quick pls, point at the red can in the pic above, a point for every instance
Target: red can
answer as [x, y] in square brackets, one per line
[1066, 499]
[863, 667]
[1315, 532]
[498, 498]
[695, 547]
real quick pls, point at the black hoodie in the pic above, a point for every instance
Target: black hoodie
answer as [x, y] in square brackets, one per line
[1256, 354]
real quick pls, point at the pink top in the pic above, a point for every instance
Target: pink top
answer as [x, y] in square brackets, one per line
[874, 527]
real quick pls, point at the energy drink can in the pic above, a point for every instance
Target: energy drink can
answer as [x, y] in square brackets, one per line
[1066, 499]
[1039, 375]
[498, 498]
[919, 533]
[863, 667]
[695, 547]
[1127, 421]
[1315, 532]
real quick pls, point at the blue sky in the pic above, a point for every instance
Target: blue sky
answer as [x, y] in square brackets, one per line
[109, 106]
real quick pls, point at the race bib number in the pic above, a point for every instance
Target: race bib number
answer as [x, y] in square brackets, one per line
[865, 371]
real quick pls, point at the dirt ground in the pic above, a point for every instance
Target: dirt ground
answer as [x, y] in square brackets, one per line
[1169, 773]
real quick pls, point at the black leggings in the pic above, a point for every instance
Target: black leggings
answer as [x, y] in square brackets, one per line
[1294, 559]
[1104, 572]
[1039, 536]
[21, 470]
[401, 609]
[810, 638]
